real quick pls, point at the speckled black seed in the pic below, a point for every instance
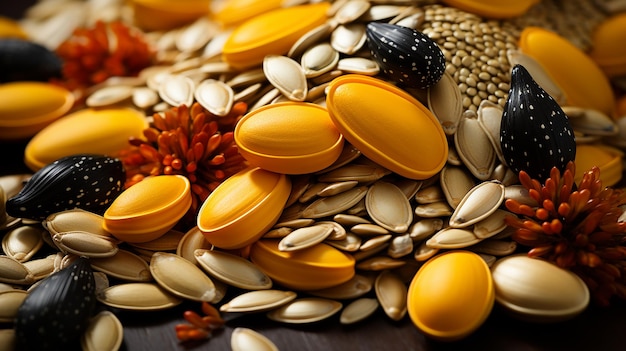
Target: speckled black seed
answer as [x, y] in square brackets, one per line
[23, 60]
[535, 134]
[55, 313]
[88, 182]
[405, 55]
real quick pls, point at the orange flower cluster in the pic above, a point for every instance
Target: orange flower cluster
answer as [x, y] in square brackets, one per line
[191, 142]
[199, 327]
[576, 228]
[91, 55]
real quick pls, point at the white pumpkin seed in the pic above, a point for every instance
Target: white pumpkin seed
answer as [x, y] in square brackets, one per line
[474, 147]
[190, 242]
[10, 302]
[594, 122]
[435, 209]
[167, 242]
[331, 205]
[196, 35]
[244, 339]
[109, 95]
[75, 220]
[138, 296]
[360, 173]
[429, 194]
[338, 233]
[391, 292]
[351, 243]
[104, 332]
[232, 270]
[379, 263]
[215, 96]
[401, 245]
[258, 301]
[123, 265]
[336, 188]
[424, 252]
[452, 238]
[319, 59]
[144, 98]
[305, 310]
[491, 225]
[382, 12]
[305, 237]
[358, 310]
[519, 193]
[350, 220]
[409, 187]
[85, 244]
[41, 268]
[357, 286]
[444, 101]
[483, 200]
[456, 182]
[425, 228]
[348, 38]
[351, 10]
[215, 47]
[495, 247]
[368, 229]
[538, 73]
[181, 277]
[23, 242]
[287, 76]
[311, 37]
[375, 242]
[176, 90]
[388, 207]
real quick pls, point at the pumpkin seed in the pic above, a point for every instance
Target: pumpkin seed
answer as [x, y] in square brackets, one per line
[311, 37]
[337, 188]
[360, 173]
[391, 292]
[348, 38]
[338, 233]
[10, 301]
[489, 118]
[110, 95]
[75, 220]
[382, 12]
[358, 310]
[176, 90]
[278, 233]
[491, 225]
[375, 242]
[435, 209]
[144, 98]
[452, 238]
[536, 70]
[379, 263]
[495, 247]
[483, 200]
[351, 10]
[425, 228]
[319, 59]
[85, 244]
[357, 286]
[387, 206]
[23, 242]
[400, 246]
[181, 277]
[233, 270]
[190, 242]
[424, 252]
[104, 332]
[305, 310]
[244, 339]
[123, 265]
[167, 242]
[368, 229]
[41, 268]
[444, 101]
[7, 337]
[429, 194]
[305, 237]
[215, 96]
[594, 122]
[332, 205]
[350, 220]
[196, 35]
[138, 296]
[286, 75]
[351, 243]
[519, 193]
[474, 147]
[456, 182]
[258, 301]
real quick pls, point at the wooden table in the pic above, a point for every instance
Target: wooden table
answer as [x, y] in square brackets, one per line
[595, 329]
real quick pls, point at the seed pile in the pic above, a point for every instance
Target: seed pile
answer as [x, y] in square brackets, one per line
[378, 226]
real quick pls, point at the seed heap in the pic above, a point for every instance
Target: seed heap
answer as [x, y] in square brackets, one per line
[387, 224]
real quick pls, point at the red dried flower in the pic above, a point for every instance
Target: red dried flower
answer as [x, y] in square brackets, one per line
[191, 142]
[576, 228]
[91, 55]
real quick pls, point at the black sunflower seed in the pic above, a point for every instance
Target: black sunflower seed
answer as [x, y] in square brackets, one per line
[535, 134]
[406, 55]
[54, 315]
[89, 182]
[24, 60]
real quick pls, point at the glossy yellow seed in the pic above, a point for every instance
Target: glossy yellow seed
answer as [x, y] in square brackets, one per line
[493, 8]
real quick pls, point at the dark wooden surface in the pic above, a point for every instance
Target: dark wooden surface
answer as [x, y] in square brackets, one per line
[595, 329]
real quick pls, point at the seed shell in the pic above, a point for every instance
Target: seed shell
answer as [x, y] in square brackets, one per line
[492, 225]
[14, 272]
[319, 59]
[190, 242]
[305, 237]
[444, 101]
[351, 243]
[138, 296]
[391, 292]
[474, 148]
[455, 182]
[332, 205]
[123, 265]
[244, 339]
[354, 288]
[75, 220]
[348, 38]
[177, 90]
[215, 96]
[85, 244]
[233, 270]
[358, 310]
[287, 76]
[181, 277]
[452, 238]
[258, 301]
[109, 96]
[10, 301]
[305, 310]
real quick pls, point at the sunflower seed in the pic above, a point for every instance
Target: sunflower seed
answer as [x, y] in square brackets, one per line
[358, 310]
[258, 301]
[244, 339]
[478, 204]
[391, 292]
[233, 270]
[138, 296]
[181, 277]
[305, 310]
